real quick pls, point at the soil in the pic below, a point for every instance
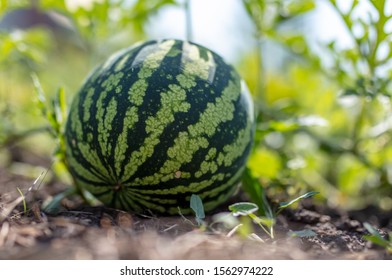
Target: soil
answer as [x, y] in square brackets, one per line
[83, 232]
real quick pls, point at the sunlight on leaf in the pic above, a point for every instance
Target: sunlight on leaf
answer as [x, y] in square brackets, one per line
[243, 208]
[283, 205]
[312, 120]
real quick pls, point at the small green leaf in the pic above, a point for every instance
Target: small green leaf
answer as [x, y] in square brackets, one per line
[302, 233]
[24, 200]
[283, 205]
[376, 240]
[61, 106]
[198, 208]
[243, 208]
[41, 100]
[372, 230]
[375, 236]
[257, 192]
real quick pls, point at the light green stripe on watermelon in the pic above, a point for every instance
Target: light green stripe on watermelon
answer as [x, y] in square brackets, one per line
[106, 113]
[141, 200]
[76, 125]
[209, 204]
[194, 65]
[216, 113]
[130, 119]
[189, 142]
[104, 122]
[120, 65]
[155, 125]
[172, 102]
[230, 152]
[236, 149]
[88, 102]
[85, 151]
[112, 82]
[195, 187]
[82, 172]
[233, 179]
[91, 156]
[137, 92]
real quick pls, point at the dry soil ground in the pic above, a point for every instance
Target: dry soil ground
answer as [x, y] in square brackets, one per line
[82, 232]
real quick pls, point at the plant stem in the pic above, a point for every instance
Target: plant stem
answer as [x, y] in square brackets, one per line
[262, 80]
[188, 20]
[269, 233]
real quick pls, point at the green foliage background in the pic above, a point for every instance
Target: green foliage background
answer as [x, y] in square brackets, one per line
[322, 124]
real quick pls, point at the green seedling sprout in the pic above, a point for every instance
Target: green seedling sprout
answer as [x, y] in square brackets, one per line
[23, 200]
[248, 209]
[55, 112]
[196, 205]
[377, 239]
[7, 209]
[284, 205]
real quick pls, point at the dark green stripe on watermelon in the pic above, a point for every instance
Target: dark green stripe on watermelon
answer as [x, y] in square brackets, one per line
[158, 122]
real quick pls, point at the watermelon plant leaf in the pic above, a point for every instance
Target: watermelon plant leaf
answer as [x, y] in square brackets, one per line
[263, 220]
[60, 106]
[302, 233]
[283, 205]
[248, 209]
[243, 208]
[23, 199]
[376, 238]
[198, 208]
[41, 100]
[46, 110]
[257, 192]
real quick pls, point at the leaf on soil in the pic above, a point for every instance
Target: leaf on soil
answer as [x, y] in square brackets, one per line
[243, 208]
[302, 233]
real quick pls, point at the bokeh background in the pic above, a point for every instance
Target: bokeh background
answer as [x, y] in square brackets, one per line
[319, 72]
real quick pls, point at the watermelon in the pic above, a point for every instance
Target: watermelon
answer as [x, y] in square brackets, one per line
[158, 122]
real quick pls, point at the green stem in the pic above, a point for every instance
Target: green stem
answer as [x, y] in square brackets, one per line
[188, 20]
[359, 123]
[269, 233]
[262, 79]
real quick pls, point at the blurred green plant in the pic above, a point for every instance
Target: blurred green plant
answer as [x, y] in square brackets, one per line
[267, 219]
[197, 206]
[375, 237]
[325, 124]
[55, 113]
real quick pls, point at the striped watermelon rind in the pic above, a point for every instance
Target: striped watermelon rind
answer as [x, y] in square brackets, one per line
[158, 122]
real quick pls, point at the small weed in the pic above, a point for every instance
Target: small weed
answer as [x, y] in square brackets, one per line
[6, 210]
[197, 207]
[377, 239]
[23, 199]
[236, 218]
[55, 112]
[301, 233]
[267, 214]
[248, 209]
